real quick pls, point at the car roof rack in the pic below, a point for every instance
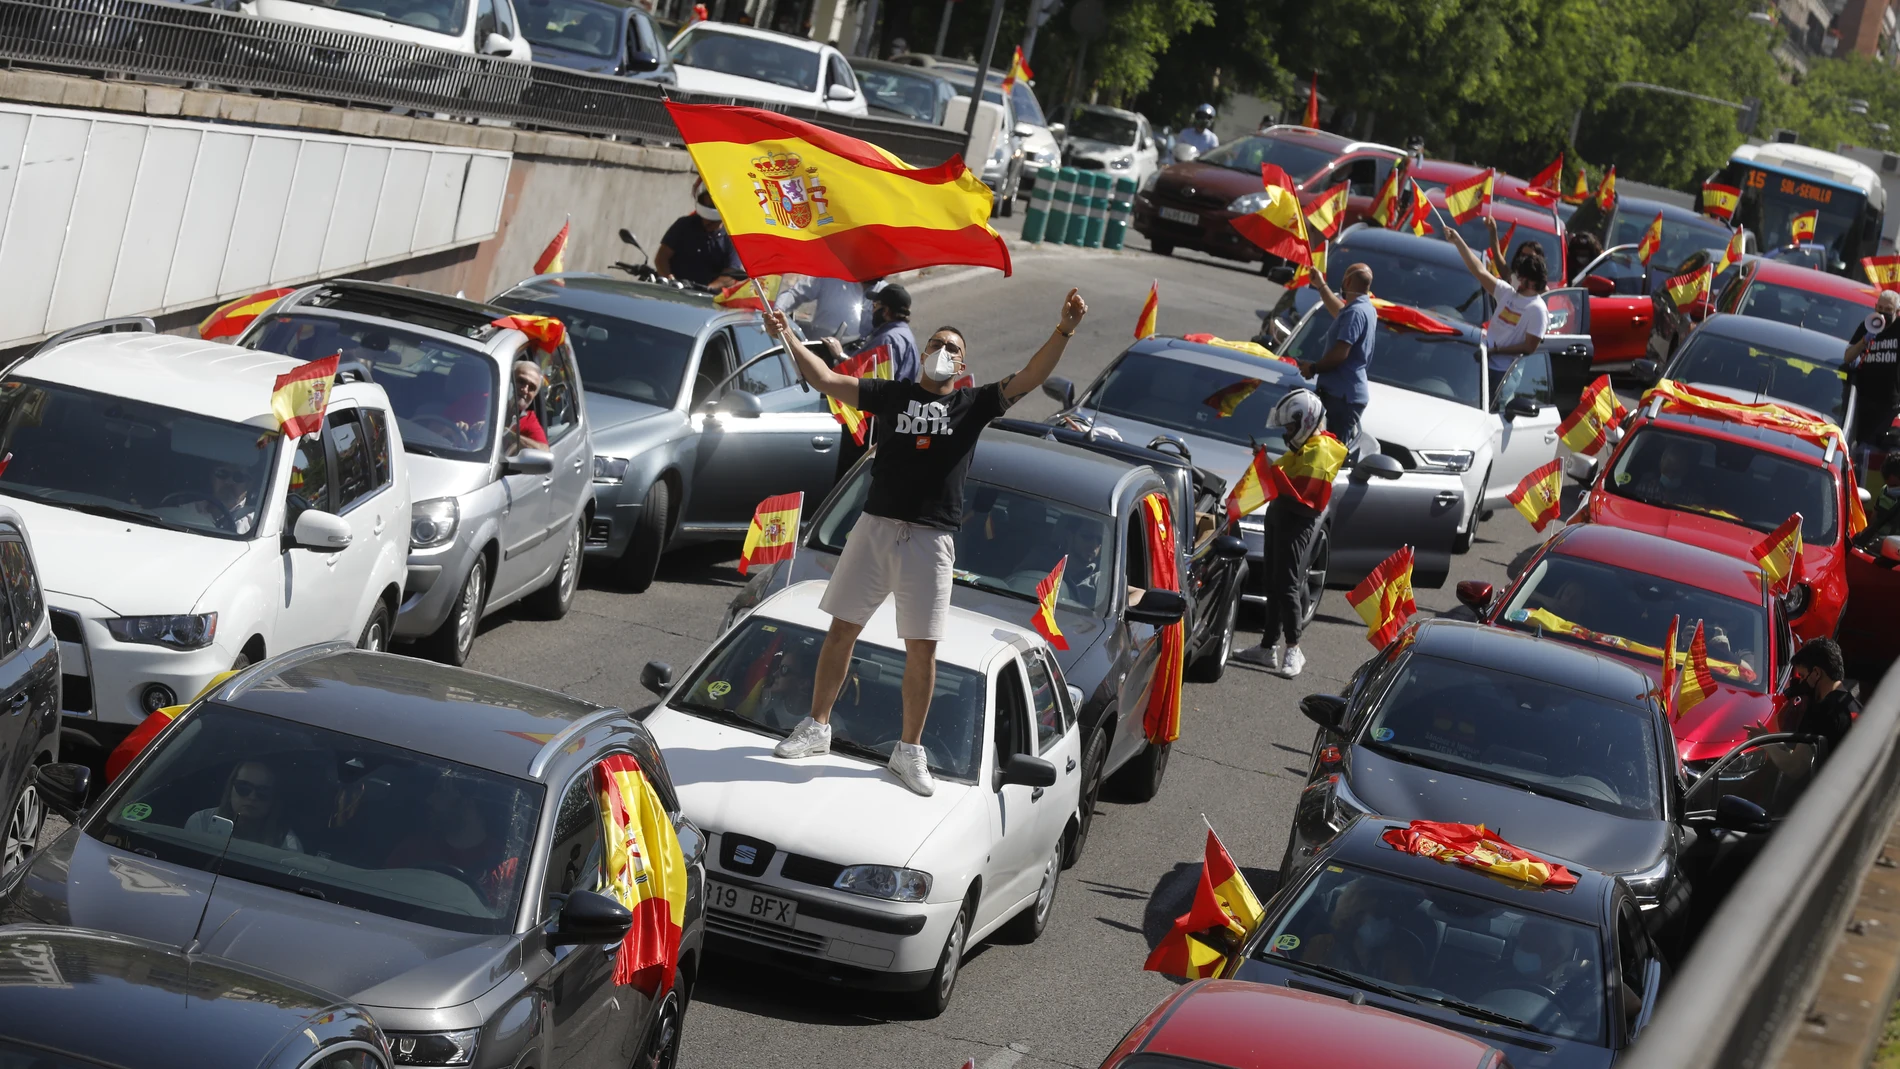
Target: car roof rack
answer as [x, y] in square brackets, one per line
[411, 307]
[117, 325]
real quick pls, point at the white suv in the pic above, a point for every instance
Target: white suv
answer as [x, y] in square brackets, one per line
[179, 533]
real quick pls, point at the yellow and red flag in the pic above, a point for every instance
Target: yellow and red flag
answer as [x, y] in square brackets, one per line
[1856, 514]
[1719, 201]
[757, 294]
[1579, 192]
[1324, 211]
[1731, 253]
[134, 744]
[1385, 207]
[1224, 902]
[1779, 554]
[1671, 668]
[1229, 397]
[553, 259]
[1383, 599]
[1801, 227]
[1311, 119]
[874, 363]
[773, 535]
[1018, 70]
[644, 869]
[1687, 290]
[1882, 271]
[1651, 242]
[1145, 322]
[299, 396]
[232, 318]
[800, 198]
[1467, 198]
[1161, 721]
[546, 332]
[1491, 255]
[1419, 218]
[1279, 227]
[1587, 429]
[1543, 185]
[1404, 315]
[1477, 848]
[1697, 682]
[1251, 348]
[1045, 619]
[1250, 490]
[1606, 190]
[1681, 397]
[1306, 474]
[1539, 495]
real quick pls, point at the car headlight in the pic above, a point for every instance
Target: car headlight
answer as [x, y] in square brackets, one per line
[884, 881]
[1148, 183]
[1345, 806]
[1445, 459]
[1248, 203]
[1122, 163]
[434, 1048]
[432, 522]
[609, 469]
[1647, 885]
[185, 632]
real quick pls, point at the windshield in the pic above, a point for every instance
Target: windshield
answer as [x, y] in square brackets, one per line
[1805, 308]
[1521, 732]
[748, 57]
[443, 395]
[131, 460]
[619, 357]
[438, 16]
[1436, 364]
[1028, 108]
[1781, 197]
[1680, 238]
[1185, 396]
[910, 95]
[330, 816]
[1603, 606]
[1247, 154]
[1523, 968]
[1104, 126]
[1442, 289]
[1764, 373]
[761, 676]
[1727, 480]
[573, 25]
[1009, 542]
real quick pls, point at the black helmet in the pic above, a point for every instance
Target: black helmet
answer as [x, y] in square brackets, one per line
[1205, 111]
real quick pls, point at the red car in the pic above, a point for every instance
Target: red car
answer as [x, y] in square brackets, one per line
[1192, 205]
[1234, 1024]
[1615, 591]
[1437, 174]
[1532, 224]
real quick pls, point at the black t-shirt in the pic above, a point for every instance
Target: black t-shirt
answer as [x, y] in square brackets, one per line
[1830, 717]
[1875, 376]
[700, 255]
[924, 441]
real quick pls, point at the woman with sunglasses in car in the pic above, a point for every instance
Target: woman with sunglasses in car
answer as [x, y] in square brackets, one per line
[251, 805]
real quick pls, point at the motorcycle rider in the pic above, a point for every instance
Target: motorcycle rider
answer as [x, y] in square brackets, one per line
[1198, 137]
[697, 248]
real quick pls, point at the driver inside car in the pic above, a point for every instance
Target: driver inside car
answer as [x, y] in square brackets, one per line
[251, 807]
[227, 503]
[455, 839]
[1365, 937]
[1673, 483]
[1546, 957]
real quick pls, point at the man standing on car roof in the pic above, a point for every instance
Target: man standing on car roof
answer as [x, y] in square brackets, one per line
[1340, 372]
[904, 544]
[890, 319]
[1872, 370]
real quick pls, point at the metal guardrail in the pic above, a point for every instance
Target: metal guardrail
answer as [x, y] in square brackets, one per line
[1745, 986]
[202, 46]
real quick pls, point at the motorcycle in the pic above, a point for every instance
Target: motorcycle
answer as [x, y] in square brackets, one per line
[644, 272]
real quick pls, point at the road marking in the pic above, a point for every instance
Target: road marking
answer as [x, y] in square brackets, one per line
[1002, 1059]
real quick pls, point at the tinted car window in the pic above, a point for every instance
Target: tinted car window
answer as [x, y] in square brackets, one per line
[1104, 126]
[1247, 154]
[1728, 480]
[24, 587]
[619, 357]
[1442, 289]
[1047, 704]
[355, 472]
[376, 432]
[1187, 397]
[1680, 238]
[558, 400]
[1436, 364]
[574, 859]
[1814, 383]
[1804, 308]
[748, 57]
[581, 26]
[309, 478]
[910, 95]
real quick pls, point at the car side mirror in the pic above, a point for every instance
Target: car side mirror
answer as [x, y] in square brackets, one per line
[1022, 770]
[590, 917]
[1157, 607]
[1735, 813]
[1520, 406]
[642, 62]
[1075, 695]
[497, 45]
[1866, 497]
[1059, 390]
[324, 532]
[1475, 593]
[1023, 129]
[1646, 371]
[1598, 286]
[1890, 548]
[1326, 710]
[1377, 466]
[839, 92]
[741, 404]
[1280, 274]
[529, 462]
[657, 677]
[64, 786]
[1229, 547]
[1058, 130]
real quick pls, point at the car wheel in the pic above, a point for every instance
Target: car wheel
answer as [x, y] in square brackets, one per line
[1315, 587]
[1478, 516]
[551, 602]
[1027, 926]
[455, 639]
[23, 829]
[935, 997]
[1163, 248]
[1092, 763]
[1211, 664]
[640, 562]
[663, 1042]
[1140, 780]
[375, 637]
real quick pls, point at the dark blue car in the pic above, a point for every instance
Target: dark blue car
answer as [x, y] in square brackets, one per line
[596, 37]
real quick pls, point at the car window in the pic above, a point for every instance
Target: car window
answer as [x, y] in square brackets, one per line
[840, 74]
[1680, 238]
[1804, 308]
[505, 19]
[1105, 126]
[908, 94]
[1187, 395]
[23, 585]
[1051, 721]
[1730, 481]
[1028, 108]
[13, 632]
[1443, 366]
[621, 358]
[1815, 382]
[310, 482]
[355, 479]
[1529, 377]
[574, 858]
[584, 26]
[436, 16]
[485, 22]
[1247, 154]
[714, 365]
[748, 57]
[559, 399]
[1138, 548]
[1012, 714]
[1439, 288]
[1632, 961]
[376, 430]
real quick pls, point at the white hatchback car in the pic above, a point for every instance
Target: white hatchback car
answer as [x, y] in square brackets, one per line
[830, 861]
[178, 532]
[740, 61]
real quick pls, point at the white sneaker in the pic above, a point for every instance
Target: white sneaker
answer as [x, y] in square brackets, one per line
[1267, 657]
[808, 739]
[910, 766]
[1292, 662]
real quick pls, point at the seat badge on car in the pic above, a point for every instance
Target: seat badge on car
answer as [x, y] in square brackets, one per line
[746, 855]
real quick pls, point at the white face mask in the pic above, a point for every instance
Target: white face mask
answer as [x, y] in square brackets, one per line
[706, 212]
[941, 366]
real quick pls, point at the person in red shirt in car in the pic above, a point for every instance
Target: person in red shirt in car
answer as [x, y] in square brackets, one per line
[524, 427]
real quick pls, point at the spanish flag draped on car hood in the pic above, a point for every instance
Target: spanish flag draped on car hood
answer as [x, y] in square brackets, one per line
[1474, 847]
[799, 198]
[1224, 912]
[642, 868]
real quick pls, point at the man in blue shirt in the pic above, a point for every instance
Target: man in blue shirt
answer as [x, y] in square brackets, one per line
[1340, 373]
[890, 316]
[1198, 137]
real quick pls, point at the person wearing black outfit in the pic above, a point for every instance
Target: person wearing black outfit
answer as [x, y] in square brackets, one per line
[1874, 373]
[697, 248]
[904, 544]
[1827, 708]
[890, 319]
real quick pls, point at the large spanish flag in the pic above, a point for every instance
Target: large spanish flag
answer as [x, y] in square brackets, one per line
[1539, 495]
[1779, 554]
[1801, 227]
[1467, 198]
[1224, 912]
[773, 535]
[231, 318]
[300, 395]
[1404, 315]
[1307, 473]
[1145, 322]
[1279, 227]
[1045, 619]
[1587, 429]
[1651, 243]
[643, 868]
[1719, 201]
[1478, 848]
[1383, 599]
[1882, 271]
[1682, 397]
[1161, 720]
[1324, 211]
[799, 198]
[1697, 682]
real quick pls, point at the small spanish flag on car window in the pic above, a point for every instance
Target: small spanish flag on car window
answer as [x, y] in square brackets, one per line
[1018, 71]
[1542, 187]
[300, 395]
[1384, 598]
[1539, 495]
[1587, 429]
[553, 259]
[1697, 681]
[1579, 192]
[1467, 198]
[1324, 212]
[870, 364]
[757, 294]
[1801, 227]
[1719, 201]
[1385, 207]
[1779, 554]
[1651, 243]
[1224, 912]
[1606, 190]
[1732, 252]
[1045, 619]
[1250, 490]
[1279, 226]
[1229, 397]
[231, 318]
[1687, 290]
[1145, 322]
[773, 535]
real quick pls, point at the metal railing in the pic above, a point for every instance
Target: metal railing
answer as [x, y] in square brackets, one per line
[202, 46]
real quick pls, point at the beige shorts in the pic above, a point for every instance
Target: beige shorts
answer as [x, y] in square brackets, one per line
[883, 557]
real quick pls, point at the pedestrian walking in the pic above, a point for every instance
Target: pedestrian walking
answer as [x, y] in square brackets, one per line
[1340, 373]
[1292, 520]
[890, 329]
[1518, 326]
[904, 543]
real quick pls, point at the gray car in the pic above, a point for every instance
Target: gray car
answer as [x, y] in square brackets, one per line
[495, 520]
[697, 415]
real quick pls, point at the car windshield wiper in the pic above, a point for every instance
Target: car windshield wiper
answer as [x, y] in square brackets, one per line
[1351, 979]
[858, 749]
[726, 716]
[1473, 1010]
[994, 586]
[120, 512]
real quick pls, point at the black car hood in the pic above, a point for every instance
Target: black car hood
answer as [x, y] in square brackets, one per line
[369, 958]
[1602, 841]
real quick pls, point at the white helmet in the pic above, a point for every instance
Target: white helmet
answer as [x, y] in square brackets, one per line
[1300, 415]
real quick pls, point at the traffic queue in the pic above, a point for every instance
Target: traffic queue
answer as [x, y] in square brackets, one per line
[897, 742]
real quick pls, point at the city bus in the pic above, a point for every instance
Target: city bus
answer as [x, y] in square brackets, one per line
[1780, 181]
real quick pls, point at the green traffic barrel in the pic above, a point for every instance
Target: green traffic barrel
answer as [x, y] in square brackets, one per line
[1079, 210]
[1061, 201]
[1037, 217]
[1098, 210]
[1119, 210]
